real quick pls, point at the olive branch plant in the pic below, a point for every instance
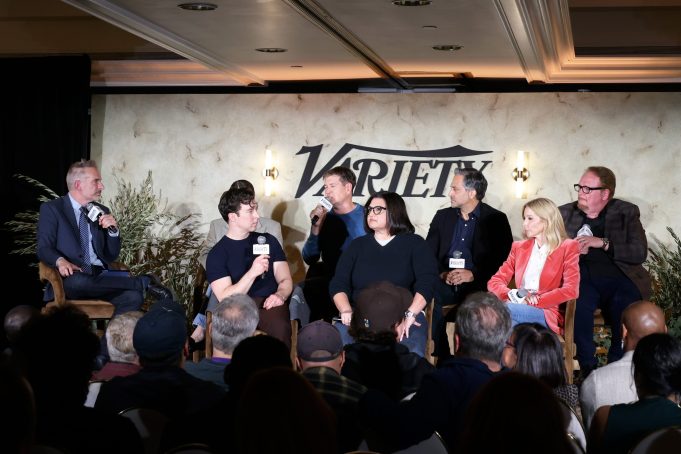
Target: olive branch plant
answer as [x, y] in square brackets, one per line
[664, 264]
[155, 240]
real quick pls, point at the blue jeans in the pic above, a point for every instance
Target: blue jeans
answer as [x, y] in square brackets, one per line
[416, 342]
[523, 313]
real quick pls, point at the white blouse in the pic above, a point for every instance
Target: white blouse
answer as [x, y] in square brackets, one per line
[535, 266]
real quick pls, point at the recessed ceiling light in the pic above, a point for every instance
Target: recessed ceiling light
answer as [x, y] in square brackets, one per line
[198, 6]
[296, 66]
[430, 27]
[447, 47]
[271, 50]
[411, 2]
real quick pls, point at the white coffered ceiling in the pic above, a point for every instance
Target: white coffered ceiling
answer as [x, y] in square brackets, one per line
[154, 42]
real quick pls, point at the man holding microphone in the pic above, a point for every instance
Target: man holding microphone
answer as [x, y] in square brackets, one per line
[252, 263]
[331, 232]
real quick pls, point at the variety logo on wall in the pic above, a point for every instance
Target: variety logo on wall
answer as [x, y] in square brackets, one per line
[427, 174]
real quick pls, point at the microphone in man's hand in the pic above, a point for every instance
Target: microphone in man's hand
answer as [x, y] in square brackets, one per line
[456, 262]
[262, 248]
[324, 202]
[93, 213]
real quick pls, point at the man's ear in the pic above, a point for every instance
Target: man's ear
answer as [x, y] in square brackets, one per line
[342, 358]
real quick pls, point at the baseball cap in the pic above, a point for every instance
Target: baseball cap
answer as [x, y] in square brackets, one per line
[161, 331]
[318, 342]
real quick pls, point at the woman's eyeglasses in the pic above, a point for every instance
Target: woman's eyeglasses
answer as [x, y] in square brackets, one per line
[376, 210]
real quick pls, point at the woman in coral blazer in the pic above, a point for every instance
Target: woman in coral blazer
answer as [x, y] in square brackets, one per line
[546, 265]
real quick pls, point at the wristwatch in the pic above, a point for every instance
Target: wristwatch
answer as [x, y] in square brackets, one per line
[606, 242]
[409, 314]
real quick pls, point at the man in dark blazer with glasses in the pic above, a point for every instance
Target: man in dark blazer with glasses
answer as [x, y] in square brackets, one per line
[613, 248]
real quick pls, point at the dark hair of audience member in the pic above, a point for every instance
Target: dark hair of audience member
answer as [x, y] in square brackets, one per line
[15, 320]
[301, 421]
[539, 354]
[514, 413]
[17, 403]
[657, 365]
[397, 218]
[252, 355]
[57, 352]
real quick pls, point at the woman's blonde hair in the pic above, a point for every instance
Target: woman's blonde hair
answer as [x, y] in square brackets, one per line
[554, 229]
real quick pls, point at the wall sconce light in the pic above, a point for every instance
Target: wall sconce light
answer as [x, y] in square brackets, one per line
[269, 173]
[520, 174]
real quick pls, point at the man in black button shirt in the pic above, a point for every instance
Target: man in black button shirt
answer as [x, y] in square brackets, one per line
[613, 247]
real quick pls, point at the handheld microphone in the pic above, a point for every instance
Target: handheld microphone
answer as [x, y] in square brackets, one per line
[518, 296]
[262, 248]
[324, 202]
[456, 262]
[93, 213]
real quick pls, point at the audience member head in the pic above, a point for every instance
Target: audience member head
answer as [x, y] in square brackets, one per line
[547, 211]
[232, 200]
[483, 324]
[640, 319]
[473, 179]
[57, 352]
[320, 344]
[234, 319]
[17, 403]
[302, 420]
[396, 217]
[379, 308]
[16, 318]
[515, 413]
[538, 353]
[252, 355]
[657, 366]
[119, 337]
[160, 336]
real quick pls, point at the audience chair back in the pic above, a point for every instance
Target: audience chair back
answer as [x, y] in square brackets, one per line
[661, 441]
[567, 340]
[191, 448]
[149, 424]
[95, 309]
[432, 445]
[575, 428]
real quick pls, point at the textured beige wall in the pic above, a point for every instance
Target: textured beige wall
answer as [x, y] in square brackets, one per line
[196, 145]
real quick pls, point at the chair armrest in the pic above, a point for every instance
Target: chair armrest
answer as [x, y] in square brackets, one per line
[51, 275]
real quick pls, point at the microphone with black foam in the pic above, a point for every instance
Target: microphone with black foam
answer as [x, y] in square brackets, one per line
[326, 204]
[93, 213]
[262, 248]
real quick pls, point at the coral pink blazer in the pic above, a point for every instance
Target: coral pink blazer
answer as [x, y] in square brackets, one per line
[558, 282]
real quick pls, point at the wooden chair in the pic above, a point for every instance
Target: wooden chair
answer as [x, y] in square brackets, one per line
[95, 309]
[567, 340]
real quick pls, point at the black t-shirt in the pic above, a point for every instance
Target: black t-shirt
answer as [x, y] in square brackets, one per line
[234, 258]
[598, 262]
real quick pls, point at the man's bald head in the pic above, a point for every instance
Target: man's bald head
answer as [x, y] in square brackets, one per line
[640, 319]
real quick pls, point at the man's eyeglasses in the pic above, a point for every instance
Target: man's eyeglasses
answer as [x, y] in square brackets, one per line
[587, 189]
[376, 210]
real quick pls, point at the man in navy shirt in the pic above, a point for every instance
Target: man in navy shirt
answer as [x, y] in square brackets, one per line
[252, 263]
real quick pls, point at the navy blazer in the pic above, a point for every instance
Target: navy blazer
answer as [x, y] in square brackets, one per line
[58, 235]
[628, 243]
[491, 243]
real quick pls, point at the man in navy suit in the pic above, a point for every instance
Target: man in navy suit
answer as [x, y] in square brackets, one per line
[473, 232]
[84, 264]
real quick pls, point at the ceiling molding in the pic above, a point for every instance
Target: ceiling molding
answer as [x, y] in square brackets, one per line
[155, 73]
[547, 27]
[137, 25]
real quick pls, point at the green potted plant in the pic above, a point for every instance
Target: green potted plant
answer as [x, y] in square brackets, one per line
[664, 264]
